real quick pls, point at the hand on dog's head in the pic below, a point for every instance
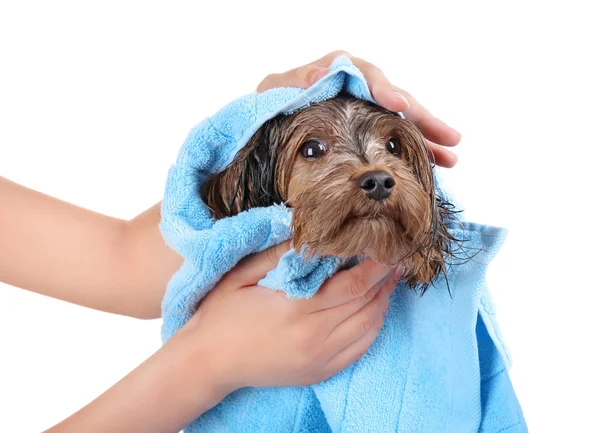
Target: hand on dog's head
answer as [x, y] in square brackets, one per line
[358, 177]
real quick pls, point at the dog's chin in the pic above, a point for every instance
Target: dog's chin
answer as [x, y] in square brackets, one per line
[380, 238]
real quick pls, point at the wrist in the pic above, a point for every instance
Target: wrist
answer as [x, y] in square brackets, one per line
[205, 365]
[166, 392]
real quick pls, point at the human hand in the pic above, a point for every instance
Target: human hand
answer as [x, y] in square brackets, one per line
[255, 336]
[245, 335]
[438, 135]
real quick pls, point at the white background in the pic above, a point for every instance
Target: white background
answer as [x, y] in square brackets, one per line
[96, 100]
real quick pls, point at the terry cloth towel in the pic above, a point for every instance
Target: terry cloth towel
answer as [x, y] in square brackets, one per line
[438, 364]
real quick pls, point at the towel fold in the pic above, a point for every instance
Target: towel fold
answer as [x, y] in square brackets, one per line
[438, 364]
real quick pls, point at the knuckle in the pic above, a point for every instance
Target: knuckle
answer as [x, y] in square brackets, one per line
[356, 286]
[369, 294]
[366, 324]
[372, 68]
[303, 73]
[337, 53]
[267, 82]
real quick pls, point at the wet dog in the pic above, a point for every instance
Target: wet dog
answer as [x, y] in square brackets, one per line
[359, 180]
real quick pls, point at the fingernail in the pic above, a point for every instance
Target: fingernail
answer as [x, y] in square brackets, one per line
[398, 273]
[318, 74]
[401, 97]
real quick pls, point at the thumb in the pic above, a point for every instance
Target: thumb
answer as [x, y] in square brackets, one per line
[252, 269]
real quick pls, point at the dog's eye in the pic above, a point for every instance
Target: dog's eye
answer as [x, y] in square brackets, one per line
[393, 146]
[313, 149]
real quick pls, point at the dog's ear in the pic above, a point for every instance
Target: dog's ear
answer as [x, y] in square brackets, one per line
[251, 179]
[431, 256]
[437, 244]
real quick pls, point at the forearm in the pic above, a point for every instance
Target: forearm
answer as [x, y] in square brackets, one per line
[163, 394]
[245, 335]
[66, 252]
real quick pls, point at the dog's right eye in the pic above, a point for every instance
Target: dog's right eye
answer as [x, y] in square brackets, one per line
[393, 146]
[313, 149]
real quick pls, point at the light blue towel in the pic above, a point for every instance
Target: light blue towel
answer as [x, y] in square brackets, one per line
[438, 364]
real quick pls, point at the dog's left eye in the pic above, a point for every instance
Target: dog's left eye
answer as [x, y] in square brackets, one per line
[393, 146]
[313, 149]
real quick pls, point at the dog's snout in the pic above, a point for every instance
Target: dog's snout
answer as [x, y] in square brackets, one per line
[377, 185]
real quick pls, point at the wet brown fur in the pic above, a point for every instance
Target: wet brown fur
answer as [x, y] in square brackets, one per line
[332, 214]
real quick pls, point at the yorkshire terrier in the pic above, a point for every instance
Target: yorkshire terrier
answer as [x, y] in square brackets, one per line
[359, 180]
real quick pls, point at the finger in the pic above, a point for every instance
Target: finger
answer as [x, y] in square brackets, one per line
[432, 128]
[253, 268]
[348, 285]
[327, 59]
[440, 155]
[360, 322]
[382, 90]
[337, 315]
[353, 352]
[302, 77]
[332, 317]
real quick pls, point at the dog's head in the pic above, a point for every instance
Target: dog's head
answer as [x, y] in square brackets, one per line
[358, 177]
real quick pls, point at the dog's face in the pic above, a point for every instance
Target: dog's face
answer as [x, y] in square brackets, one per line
[359, 180]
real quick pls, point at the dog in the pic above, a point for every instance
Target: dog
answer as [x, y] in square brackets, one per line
[358, 178]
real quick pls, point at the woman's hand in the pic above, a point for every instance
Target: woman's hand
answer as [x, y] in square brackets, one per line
[438, 134]
[124, 266]
[60, 250]
[245, 335]
[260, 338]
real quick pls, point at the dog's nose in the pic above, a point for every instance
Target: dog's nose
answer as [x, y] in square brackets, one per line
[377, 185]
